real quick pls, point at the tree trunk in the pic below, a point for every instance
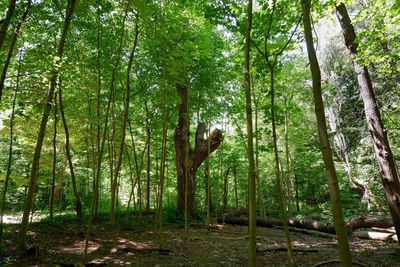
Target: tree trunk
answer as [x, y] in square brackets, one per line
[148, 160]
[225, 195]
[235, 185]
[6, 22]
[42, 129]
[344, 249]
[78, 203]
[162, 165]
[94, 202]
[281, 193]
[12, 46]
[260, 194]
[10, 151]
[124, 121]
[185, 154]
[54, 163]
[383, 152]
[251, 176]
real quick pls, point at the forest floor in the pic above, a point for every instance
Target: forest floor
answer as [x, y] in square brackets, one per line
[62, 244]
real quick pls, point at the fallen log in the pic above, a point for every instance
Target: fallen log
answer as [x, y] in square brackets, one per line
[364, 222]
[239, 217]
[373, 235]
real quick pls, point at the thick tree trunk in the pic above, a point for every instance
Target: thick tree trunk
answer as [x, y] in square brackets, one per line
[383, 152]
[42, 129]
[184, 154]
[344, 249]
[6, 22]
[12, 46]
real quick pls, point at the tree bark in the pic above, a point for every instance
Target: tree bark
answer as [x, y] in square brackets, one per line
[6, 22]
[383, 152]
[344, 249]
[184, 154]
[12, 46]
[42, 129]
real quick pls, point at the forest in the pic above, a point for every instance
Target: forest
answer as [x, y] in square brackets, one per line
[199, 133]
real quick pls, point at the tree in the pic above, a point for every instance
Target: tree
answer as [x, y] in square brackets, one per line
[4, 24]
[188, 160]
[344, 249]
[382, 149]
[12, 45]
[38, 149]
[251, 175]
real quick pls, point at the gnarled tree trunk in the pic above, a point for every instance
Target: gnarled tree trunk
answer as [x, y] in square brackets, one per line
[184, 154]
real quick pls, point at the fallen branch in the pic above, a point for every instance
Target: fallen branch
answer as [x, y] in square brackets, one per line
[270, 249]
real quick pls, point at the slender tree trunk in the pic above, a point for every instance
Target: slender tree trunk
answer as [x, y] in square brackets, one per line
[251, 176]
[148, 143]
[78, 203]
[162, 165]
[54, 164]
[96, 193]
[125, 119]
[6, 22]
[383, 152]
[208, 175]
[260, 195]
[42, 129]
[281, 194]
[344, 249]
[235, 185]
[138, 167]
[289, 187]
[12, 46]
[10, 151]
[94, 202]
[225, 194]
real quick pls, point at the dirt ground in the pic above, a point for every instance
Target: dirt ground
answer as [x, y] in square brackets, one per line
[221, 245]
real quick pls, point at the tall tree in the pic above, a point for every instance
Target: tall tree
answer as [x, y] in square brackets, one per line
[251, 175]
[78, 203]
[187, 157]
[10, 149]
[383, 152]
[12, 46]
[334, 192]
[42, 130]
[4, 24]
[125, 118]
